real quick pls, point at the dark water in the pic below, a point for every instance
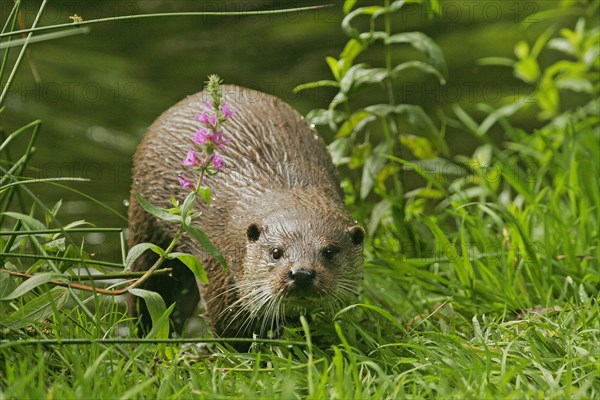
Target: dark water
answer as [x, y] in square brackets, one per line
[99, 91]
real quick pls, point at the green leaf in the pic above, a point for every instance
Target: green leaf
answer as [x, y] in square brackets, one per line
[423, 167]
[157, 310]
[30, 222]
[91, 372]
[361, 75]
[373, 165]
[464, 274]
[522, 50]
[339, 98]
[562, 45]
[527, 70]
[157, 212]
[188, 203]
[339, 150]
[346, 22]
[580, 85]
[380, 211]
[355, 122]
[51, 214]
[465, 118]
[541, 41]
[501, 61]
[56, 245]
[417, 118]
[502, 112]
[424, 44]
[136, 251]
[204, 192]
[192, 263]
[427, 68]
[38, 309]
[321, 116]
[348, 5]
[316, 84]
[419, 146]
[33, 282]
[334, 67]
[352, 49]
[7, 284]
[206, 244]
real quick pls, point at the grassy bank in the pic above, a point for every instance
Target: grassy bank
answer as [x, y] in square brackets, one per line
[481, 272]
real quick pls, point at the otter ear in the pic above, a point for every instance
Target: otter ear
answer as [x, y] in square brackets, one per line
[253, 232]
[357, 234]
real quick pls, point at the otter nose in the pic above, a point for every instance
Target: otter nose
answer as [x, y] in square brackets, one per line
[302, 277]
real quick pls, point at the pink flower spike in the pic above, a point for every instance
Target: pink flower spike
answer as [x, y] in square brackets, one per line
[216, 161]
[184, 182]
[191, 160]
[208, 105]
[218, 139]
[227, 112]
[212, 119]
[201, 136]
[203, 118]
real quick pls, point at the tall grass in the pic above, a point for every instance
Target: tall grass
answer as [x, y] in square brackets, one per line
[486, 288]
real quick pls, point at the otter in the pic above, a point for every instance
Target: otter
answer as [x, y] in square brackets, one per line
[276, 213]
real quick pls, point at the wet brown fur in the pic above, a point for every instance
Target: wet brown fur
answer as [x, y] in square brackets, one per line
[280, 179]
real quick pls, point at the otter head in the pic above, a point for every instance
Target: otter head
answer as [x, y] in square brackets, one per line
[298, 261]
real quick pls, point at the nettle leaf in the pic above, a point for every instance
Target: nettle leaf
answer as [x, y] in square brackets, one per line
[157, 310]
[346, 22]
[427, 68]
[38, 309]
[562, 45]
[424, 44]
[361, 75]
[355, 123]
[373, 165]
[417, 118]
[206, 244]
[34, 282]
[339, 150]
[419, 146]
[338, 99]
[352, 49]
[157, 212]
[379, 213]
[136, 251]
[321, 116]
[192, 263]
[580, 85]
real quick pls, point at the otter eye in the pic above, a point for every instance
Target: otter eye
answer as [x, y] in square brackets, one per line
[276, 253]
[329, 251]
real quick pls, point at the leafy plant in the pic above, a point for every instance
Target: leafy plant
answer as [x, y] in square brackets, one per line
[367, 136]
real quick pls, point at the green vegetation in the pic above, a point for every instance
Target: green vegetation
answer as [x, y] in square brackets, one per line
[481, 275]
